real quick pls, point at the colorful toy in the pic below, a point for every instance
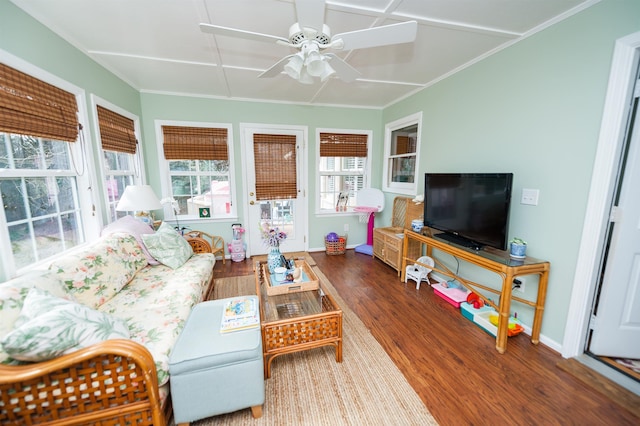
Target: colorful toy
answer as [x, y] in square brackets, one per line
[332, 237]
[475, 300]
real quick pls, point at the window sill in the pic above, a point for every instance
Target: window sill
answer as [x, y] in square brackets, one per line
[329, 213]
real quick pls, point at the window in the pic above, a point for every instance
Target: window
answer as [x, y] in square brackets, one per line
[199, 170]
[120, 155]
[343, 168]
[41, 171]
[401, 147]
[40, 197]
[119, 173]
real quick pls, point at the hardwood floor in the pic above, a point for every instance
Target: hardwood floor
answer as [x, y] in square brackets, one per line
[451, 363]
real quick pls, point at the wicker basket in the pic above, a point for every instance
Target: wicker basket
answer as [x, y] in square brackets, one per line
[336, 247]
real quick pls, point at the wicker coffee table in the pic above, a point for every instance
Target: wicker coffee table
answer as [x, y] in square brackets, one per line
[297, 321]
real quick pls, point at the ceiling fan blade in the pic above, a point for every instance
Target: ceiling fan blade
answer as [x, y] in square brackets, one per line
[345, 71]
[234, 32]
[310, 15]
[403, 32]
[276, 68]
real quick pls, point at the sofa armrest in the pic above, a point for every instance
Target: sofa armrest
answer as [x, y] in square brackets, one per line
[113, 381]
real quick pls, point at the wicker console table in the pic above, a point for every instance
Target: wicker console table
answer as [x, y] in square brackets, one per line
[296, 322]
[497, 261]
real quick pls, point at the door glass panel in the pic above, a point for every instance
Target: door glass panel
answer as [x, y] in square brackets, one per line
[278, 214]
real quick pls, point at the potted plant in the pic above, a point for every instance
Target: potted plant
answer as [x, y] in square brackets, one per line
[518, 248]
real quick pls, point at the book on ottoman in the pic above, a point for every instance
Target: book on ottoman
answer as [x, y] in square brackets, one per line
[239, 313]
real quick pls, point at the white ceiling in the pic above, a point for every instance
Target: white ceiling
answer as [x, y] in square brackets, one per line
[157, 46]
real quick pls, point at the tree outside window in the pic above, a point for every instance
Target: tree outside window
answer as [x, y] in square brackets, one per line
[119, 173]
[39, 190]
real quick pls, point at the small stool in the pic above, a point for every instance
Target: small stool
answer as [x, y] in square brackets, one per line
[213, 373]
[418, 272]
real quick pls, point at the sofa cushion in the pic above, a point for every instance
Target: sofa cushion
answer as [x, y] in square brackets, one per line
[96, 274]
[49, 326]
[157, 302]
[168, 247]
[131, 225]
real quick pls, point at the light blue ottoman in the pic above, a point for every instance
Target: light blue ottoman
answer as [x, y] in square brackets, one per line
[213, 373]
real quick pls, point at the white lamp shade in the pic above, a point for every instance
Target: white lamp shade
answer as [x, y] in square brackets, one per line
[327, 72]
[315, 65]
[138, 198]
[294, 66]
[305, 78]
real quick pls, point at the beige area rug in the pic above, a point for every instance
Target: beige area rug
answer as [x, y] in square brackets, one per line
[311, 388]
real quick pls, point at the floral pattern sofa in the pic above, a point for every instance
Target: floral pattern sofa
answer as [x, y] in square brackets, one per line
[104, 315]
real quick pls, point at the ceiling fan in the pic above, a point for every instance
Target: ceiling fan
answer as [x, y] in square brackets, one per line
[311, 36]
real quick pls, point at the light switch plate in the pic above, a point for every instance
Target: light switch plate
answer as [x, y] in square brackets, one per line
[530, 196]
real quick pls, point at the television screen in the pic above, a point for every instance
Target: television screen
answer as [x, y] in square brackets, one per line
[471, 208]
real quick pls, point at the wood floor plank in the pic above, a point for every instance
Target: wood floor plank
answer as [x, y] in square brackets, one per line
[451, 363]
[603, 385]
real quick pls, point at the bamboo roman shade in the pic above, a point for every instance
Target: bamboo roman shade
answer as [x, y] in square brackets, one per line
[343, 145]
[29, 106]
[275, 166]
[402, 145]
[116, 131]
[195, 143]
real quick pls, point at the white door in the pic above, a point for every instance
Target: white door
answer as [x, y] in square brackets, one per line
[616, 329]
[273, 160]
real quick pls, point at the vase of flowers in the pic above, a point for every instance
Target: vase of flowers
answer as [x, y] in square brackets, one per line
[272, 237]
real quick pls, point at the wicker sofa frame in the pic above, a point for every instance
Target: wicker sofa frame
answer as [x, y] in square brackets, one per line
[110, 383]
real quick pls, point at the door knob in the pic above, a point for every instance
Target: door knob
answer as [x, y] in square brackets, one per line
[252, 202]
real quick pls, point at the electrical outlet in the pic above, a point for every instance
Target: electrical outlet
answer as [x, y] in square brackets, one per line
[518, 285]
[346, 227]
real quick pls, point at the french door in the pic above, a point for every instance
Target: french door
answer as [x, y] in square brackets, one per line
[274, 159]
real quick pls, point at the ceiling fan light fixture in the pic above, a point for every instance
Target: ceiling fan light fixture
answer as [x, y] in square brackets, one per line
[294, 67]
[327, 72]
[305, 77]
[311, 37]
[315, 64]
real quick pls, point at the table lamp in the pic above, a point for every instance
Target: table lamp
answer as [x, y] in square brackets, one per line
[139, 199]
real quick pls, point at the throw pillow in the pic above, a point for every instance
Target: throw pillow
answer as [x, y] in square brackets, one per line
[49, 326]
[168, 247]
[96, 274]
[135, 227]
[13, 293]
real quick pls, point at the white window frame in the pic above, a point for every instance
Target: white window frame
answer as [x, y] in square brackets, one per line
[165, 174]
[83, 155]
[137, 160]
[366, 172]
[407, 188]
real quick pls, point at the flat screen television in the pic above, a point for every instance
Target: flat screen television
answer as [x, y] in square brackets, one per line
[472, 209]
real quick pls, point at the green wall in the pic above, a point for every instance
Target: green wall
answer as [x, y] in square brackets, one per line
[27, 39]
[533, 109]
[162, 107]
